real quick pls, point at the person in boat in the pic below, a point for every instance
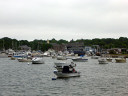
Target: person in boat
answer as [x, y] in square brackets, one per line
[66, 69]
[73, 70]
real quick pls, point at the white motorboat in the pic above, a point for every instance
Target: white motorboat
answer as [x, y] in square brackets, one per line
[79, 59]
[65, 69]
[103, 61]
[46, 54]
[19, 54]
[37, 60]
[61, 58]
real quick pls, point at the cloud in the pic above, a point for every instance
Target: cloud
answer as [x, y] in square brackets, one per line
[63, 19]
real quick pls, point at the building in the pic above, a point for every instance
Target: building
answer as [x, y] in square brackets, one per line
[76, 47]
[88, 48]
[118, 51]
[25, 47]
[58, 47]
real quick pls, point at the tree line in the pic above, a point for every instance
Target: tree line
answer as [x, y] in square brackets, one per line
[105, 43]
[6, 43]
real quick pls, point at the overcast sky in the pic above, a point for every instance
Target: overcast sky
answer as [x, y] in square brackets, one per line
[63, 19]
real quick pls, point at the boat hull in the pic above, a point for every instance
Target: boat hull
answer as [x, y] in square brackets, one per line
[61, 58]
[24, 60]
[66, 75]
[80, 60]
[94, 57]
[109, 60]
[13, 58]
[37, 61]
[120, 60]
[103, 61]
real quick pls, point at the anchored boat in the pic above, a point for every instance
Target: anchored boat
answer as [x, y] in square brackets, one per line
[103, 61]
[37, 60]
[109, 59]
[65, 69]
[61, 58]
[79, 59]
[120, 60]
[94, 57]
[24, 60]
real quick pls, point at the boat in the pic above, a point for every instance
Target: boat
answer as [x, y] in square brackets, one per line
[109, 59]
[12, 58]
[94, 57]
[24, 60]
[61, 58]
[103, 61]
[65, 70]
[46, 54]
[53, 57]
[120, 60]
[10, 52]
[18, 54]
[69, 57]
[79, 59]
[37, 60]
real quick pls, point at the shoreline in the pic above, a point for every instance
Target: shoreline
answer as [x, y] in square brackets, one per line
[116, 55]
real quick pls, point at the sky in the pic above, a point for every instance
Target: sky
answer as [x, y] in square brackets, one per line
[63, 19]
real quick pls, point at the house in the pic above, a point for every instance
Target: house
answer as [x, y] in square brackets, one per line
[118, 51]
[76, 47]
[25, 47]
[58, 47]
[88, 48]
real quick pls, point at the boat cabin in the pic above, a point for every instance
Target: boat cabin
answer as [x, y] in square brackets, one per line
[68, 69]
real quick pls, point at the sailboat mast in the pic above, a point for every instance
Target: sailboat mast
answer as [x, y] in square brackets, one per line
[3, 45]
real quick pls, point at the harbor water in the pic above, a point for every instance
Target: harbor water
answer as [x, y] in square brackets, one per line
[26, 79]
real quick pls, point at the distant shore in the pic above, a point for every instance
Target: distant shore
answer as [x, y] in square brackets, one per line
[117, 55]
